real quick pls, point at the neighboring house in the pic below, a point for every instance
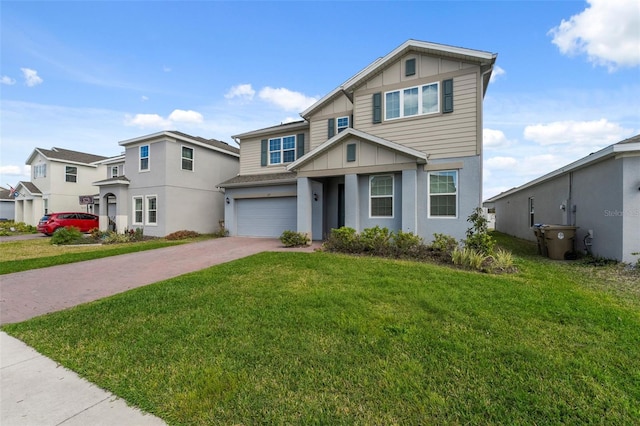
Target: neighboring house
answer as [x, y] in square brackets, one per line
[398, 145]
[58, 178]
[600, 194]
[7, 204]
[166, 182]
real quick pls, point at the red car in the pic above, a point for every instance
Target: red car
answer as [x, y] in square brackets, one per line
[85, 222]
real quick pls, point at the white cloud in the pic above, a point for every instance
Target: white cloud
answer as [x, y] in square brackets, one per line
[598, 132]
[607, 32]
[286, 99]
[497, 72]
[7, 80]
[177, 117]
[496, 163]
[494, 139]
[31, 77]
[243, 91]
[144, 98]
[146, 120]
[13, 170]
[182, 116]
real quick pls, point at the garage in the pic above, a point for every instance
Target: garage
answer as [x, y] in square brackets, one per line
[266, 217]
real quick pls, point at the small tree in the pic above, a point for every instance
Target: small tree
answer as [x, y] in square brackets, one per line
[478, 237]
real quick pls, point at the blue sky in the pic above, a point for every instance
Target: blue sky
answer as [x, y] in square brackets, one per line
[85, 75]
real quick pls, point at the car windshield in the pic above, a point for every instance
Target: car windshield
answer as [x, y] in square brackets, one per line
[44, 218]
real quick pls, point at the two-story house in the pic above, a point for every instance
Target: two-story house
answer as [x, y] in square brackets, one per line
[397, 145]
[58, 178]
[166, 182]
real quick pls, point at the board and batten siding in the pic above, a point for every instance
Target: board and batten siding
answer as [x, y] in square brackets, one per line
[339, 107]
[440, 135]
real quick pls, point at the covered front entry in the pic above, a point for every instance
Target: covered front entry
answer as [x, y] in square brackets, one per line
[266, 217]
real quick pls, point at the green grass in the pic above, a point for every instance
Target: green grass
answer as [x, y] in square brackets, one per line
[299, 338]
[17, 256]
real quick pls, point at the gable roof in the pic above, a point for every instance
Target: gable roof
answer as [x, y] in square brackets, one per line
[279, 128]
[418, 155]
[30, 187]
[212, 144]
[4, 194]
[482, 58]
[631, 144]
[66, 156]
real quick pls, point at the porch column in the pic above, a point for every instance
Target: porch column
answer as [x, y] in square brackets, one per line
[352, 202]
[409, 201]
[304, 206]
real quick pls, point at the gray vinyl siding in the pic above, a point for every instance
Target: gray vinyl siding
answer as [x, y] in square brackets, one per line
[440, 135]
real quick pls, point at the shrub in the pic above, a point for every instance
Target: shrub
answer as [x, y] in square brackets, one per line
[375, 241]
[478, 237]
[112, 237]
[470, 258]
[222, 231]
[443, 243]
[294, 239]
[502, 260]
[182, 235]
[343, 240]
[64, 236]
[407, 244]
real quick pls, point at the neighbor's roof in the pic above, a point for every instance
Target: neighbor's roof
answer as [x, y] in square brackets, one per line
[29, 186]
[4, 194]
[66, 155]
[631, 144]
[482, 58]
[259, 180]
[213, 144]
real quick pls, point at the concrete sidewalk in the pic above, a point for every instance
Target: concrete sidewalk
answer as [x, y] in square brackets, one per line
[34, 390]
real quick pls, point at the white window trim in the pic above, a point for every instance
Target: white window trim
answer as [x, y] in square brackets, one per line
[393, 190]
[338, 128]
[40, 171]
[419, 113]
[148, 157]
[70, 174]
[133, 219]
[117, 171]
[282, 162]
[457, 194]
[146, 210]
[193, 159]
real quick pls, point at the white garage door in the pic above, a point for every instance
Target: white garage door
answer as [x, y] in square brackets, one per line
[266, 217]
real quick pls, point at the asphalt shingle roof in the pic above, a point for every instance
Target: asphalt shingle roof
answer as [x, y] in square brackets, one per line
[258, 179]
[71, 156]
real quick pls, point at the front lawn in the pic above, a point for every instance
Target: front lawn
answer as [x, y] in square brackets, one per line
[319, 338]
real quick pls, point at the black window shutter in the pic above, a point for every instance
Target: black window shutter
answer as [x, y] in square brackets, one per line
[410, 67]
[447, 95]
[300, 145]
[331, 128]
[351, 152]
[377, 108]
[351, 121]
[263, 152]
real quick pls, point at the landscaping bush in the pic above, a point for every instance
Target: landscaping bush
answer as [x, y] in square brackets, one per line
[182, 235]
[65, 236]
[112, 237]
[9, 227]
[375, 241]
[407, 244]
[294, 239]
[343, 240]
[443, 243]
[478, 237]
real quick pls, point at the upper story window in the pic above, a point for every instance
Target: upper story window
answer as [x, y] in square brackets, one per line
[187, 158]
[70, 174]
[343, 123]
[144, 157]
[39, 171]
[412, 101]
[443, 194]
[381, 196]
[114, 171]
[282, 150]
